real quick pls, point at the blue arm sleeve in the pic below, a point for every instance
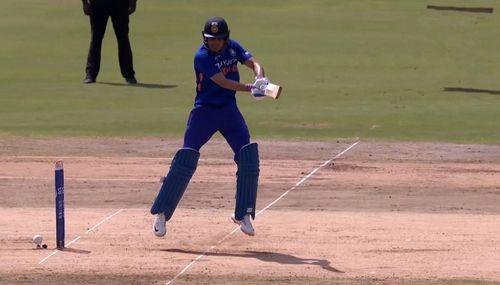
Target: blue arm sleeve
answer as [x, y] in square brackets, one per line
[242, 54]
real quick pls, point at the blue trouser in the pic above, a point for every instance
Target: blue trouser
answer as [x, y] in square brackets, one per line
[202, 124]
[205, 121]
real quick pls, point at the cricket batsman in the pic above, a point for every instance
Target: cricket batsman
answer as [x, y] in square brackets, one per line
[215, 110]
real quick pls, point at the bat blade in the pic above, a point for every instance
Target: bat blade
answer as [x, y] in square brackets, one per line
[273, 90]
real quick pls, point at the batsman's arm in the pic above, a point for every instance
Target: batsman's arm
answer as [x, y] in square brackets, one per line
[223, 82]
[258, 70]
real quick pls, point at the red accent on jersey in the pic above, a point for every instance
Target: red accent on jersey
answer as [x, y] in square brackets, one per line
[199, 81]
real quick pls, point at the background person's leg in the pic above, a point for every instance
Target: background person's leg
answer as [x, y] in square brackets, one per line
[98, 22]
[120, 19]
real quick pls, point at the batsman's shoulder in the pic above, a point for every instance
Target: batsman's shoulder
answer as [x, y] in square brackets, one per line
[202, 58]
[233, 43]
[201, 53]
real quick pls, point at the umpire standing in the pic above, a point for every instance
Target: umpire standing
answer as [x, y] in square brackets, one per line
[99, 11]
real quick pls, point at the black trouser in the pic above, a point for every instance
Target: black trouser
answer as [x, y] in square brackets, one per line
[101, 11]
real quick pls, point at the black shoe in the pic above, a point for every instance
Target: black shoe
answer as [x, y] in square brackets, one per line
[131, 80]
[89, 79]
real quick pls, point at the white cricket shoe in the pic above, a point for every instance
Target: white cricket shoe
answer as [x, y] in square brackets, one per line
[160, 225]
[245, 225]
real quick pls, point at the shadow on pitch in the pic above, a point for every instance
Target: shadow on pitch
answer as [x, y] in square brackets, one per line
[266, 256]
[471, 90]
[66, 249]
[74, 250]
[142, 85]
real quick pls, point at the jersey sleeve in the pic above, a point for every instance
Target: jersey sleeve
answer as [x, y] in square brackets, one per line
[241, 53]
[204, 64]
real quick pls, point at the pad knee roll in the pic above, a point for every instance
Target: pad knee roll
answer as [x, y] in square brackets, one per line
[175, 183]
[247, 181]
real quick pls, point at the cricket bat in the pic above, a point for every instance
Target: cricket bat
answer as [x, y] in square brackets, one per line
[273, 90]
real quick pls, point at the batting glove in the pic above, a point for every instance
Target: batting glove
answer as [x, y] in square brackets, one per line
[261, 83]
[257, 94]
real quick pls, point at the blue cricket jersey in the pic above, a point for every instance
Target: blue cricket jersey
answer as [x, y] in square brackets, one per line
[207, 64]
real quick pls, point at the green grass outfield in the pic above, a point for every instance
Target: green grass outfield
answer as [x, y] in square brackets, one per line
[374, 69]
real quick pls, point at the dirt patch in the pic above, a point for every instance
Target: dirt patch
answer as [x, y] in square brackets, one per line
[383, 213]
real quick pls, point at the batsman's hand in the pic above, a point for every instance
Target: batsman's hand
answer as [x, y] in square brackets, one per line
[261, 83]
[87, 9]
[259, 88]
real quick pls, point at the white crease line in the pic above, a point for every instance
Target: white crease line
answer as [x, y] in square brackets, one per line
[77, 238]
[81, 179]
[201, 256]
[86, 157]
[103, 221]
[307, 177]
[260, 212]
[113, 158]
[48, 256]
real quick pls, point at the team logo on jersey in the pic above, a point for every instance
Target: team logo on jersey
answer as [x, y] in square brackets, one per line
[232, 52]
[214, 28]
